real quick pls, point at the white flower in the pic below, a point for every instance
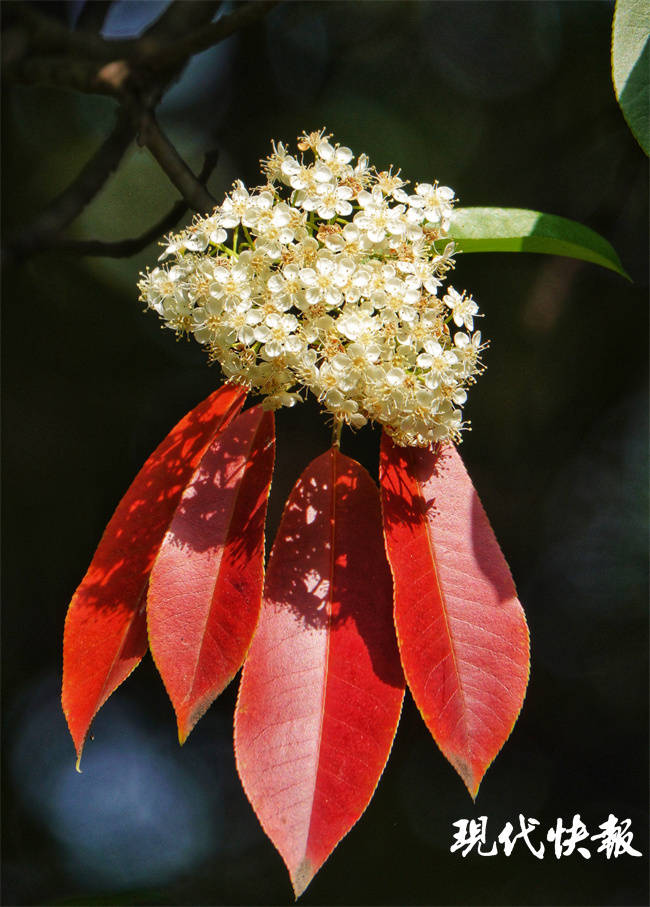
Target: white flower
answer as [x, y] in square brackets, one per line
[234, 205]
[323, 283]
[376, 215]
[333, 200]
[435, 202]
[207, 320]
[355, 324]
[330, 154]
[463, 307]
[327, 278]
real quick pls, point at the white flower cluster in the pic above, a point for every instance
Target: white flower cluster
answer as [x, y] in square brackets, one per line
[328, 278]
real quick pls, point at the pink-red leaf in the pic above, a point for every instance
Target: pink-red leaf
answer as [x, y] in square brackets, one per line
[205, 588]
[461, 630]
[322, 687]
[105, 629]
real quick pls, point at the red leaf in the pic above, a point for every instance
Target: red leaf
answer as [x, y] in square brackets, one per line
[205, 589]
[322, 687]
[105, 629]
[461, 630]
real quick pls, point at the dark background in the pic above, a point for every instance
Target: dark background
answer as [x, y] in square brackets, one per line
[512, 105]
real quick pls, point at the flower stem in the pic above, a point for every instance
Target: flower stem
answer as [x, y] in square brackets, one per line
[336, 433]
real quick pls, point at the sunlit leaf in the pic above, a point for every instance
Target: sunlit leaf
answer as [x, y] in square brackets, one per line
[105, 630]
[461, 630]
[518, 230]
[205, 588]
[322, 686]
[631, 66]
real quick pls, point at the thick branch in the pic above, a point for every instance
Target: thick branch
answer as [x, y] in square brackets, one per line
[44, 51]
[173, 164]
[46, 35]
[124, 248]
[64, 72]
[71, 202]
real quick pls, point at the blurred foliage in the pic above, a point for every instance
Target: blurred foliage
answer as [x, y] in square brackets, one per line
[512, 105]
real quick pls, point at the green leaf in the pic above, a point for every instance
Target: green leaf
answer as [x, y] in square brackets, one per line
[518, 230]
[631, 66]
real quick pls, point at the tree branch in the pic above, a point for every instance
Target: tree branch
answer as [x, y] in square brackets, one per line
[63, 72]
[137, 71]
[124, 248]
[71, 202]
[203, 38]
[46, 35]
[45, 51]
[150, 135]
[180, 17]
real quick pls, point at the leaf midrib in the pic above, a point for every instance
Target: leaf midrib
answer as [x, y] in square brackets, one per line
[217, 572]
[443, 604]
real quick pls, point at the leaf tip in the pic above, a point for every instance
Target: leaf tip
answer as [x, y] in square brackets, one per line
[185, 726]
[187, 718]
[79, 748]
[78, 739]
[301, 878]
[183, 733]
[471, 778]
